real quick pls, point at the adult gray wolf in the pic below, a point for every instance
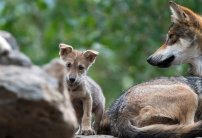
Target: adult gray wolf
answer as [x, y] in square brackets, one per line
[165, 107]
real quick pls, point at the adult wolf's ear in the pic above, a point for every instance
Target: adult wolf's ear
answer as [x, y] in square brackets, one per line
[91, 55]
[178, 13]
[64, 50]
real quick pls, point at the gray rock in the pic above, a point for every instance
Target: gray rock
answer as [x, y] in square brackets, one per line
[31, 106]
[55, 68]
[15, 58]
[10, 39]
[9, 51]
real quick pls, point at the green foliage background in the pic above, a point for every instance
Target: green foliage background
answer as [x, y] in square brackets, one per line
[125, 32]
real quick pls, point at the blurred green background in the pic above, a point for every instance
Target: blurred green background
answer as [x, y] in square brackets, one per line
[125, 32]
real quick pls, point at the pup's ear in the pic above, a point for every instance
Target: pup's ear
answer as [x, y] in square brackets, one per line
[178, 14]
[91, 55]
[64, 50]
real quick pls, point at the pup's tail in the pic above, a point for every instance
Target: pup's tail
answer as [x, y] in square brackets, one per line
[127, 130]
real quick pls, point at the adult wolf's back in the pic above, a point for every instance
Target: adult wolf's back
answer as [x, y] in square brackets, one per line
[155, 109]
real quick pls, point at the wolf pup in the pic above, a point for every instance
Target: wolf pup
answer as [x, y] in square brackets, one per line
[86, 95]
[165, 107]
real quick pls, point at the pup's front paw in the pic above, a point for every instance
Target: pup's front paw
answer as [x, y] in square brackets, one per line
[87, 132]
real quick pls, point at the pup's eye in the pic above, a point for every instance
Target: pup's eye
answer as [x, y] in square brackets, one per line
[81, 67]
[68, 65]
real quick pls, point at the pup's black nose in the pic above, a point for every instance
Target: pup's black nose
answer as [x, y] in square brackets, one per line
[72, 80]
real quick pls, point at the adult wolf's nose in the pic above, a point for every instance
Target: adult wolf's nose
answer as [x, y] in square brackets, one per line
[72, 80]
[152, 61]
[149, 60]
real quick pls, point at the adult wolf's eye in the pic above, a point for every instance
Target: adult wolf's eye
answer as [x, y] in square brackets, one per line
[68, 65]
[81, 67]
[173, 38]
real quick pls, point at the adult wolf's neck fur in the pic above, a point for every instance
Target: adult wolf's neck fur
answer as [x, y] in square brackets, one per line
[196, 63]
[196, 67]
[195, 83]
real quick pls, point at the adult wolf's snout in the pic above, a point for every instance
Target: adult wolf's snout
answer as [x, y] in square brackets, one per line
[154, 60]
[160, 61]
[150, 61]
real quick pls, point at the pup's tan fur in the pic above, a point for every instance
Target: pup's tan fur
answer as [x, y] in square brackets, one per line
[86, 95]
